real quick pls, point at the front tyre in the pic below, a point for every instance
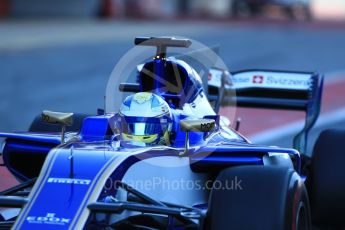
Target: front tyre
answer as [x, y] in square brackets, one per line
[271, 198]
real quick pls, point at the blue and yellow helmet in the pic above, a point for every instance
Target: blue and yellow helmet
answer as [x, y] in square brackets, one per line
[145, 118]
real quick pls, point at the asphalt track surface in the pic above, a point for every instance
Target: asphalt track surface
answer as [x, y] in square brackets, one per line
[65, 66]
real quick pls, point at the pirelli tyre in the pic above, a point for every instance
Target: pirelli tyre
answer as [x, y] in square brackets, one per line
[38, 125]
[267, 197]
[327, 180]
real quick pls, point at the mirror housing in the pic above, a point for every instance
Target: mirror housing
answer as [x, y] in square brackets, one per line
[200, 125]
[64, 119]
[57, 118]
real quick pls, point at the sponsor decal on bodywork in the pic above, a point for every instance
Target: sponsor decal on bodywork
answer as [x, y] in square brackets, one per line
[288, 81]
[50, 218]
[258, 79]
[68, 181]
[294, 81]
[272, 80]
[264, 79]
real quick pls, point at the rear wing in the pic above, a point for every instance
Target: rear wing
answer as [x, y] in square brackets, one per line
[270, 89]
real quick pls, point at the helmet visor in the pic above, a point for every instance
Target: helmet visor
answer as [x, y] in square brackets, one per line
[141, 126]
[141, 129]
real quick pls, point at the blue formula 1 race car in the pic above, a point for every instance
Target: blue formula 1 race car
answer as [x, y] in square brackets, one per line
[167, 160]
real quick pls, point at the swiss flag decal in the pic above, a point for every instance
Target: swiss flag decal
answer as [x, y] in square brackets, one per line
[258, 79]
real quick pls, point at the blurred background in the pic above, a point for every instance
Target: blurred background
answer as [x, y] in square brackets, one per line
[167, 9]
[58, 54]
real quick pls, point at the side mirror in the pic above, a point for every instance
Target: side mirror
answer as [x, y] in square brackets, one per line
[200, 125]
[57, 118]
[64, 119]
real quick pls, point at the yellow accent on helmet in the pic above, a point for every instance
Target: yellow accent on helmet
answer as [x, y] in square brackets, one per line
[137, 138]
[142, 97]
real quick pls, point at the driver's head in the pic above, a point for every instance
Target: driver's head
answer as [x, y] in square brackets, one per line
[145, 118]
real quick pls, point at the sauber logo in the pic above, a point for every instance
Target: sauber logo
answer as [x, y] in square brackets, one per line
[258, 79]
[68, 181]
[50, 218]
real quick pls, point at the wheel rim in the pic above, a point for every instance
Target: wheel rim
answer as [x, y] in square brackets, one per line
[302, 218]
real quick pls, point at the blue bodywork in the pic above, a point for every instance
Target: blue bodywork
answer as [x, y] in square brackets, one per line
[75, 174]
